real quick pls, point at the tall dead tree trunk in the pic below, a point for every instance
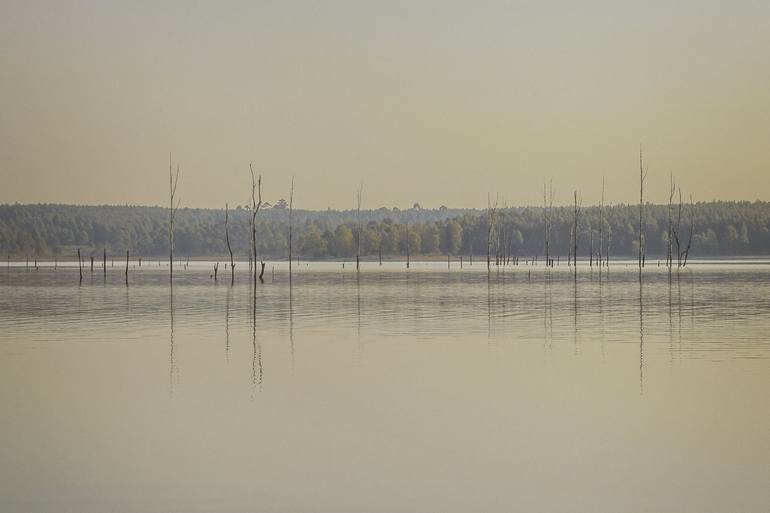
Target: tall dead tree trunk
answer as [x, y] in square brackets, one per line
[173, 180]
[491, 211]
[229, 248]
[126, 268]
[256, 190]
[677, 232]
[545, 222]
[358, 229]
[575, 234]
[104, 263]
[291, 224]
[642, 176]
[692, 229]
[407, 244]
[80, 265]
[601, 228]
[670, 233]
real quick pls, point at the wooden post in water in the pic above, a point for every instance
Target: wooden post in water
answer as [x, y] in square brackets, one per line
[80, 265]
[92, 264]
[126, 268]
[104, 263]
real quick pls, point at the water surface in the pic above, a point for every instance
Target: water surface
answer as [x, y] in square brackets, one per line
[431, 389]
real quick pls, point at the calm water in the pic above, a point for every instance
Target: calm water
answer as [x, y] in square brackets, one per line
[425, 391]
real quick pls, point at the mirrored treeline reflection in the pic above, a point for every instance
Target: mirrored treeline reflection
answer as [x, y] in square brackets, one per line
[421, 302]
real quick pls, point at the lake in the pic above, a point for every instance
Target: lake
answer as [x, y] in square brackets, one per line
[432, 389]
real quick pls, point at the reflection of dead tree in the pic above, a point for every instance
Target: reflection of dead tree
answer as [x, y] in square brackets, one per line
[173, 180]
[229, 248]
[256, 203]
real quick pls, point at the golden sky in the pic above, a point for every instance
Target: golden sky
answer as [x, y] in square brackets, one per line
[435, 102]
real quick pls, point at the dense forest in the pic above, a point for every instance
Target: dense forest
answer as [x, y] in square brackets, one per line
[718, 228]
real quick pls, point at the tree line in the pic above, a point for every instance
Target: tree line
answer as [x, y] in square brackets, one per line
[45, 230]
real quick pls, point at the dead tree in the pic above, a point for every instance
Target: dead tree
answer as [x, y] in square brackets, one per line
[80, 265]
[291, 210]
[547, 216]
[601, 227]
[677, 230]
[575, 234]
[126, 268]
[692, 229]
[670, 233]
[491, 213]
[358, 229]
[407, 244]
[173, 180]
[642, 177]
[104, 262]
[256, 189]
[229, 248]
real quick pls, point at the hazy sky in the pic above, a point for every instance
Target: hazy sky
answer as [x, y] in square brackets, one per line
[437, 102]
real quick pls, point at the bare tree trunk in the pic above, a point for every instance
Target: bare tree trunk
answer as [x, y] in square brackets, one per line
[80, 265]
[601, 228]
[104, 263]
[670, 234]
[256, 188]
[678, 231]
[642, 176]
[575, 237]
[407, 244]
[291, 209]
[126, 268]
[229, 248]
[490, 227]
[173, 180]
[358, 230]
[692, 229]
[92, 264]
[545, 223]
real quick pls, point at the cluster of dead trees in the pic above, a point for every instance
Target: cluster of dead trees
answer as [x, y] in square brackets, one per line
[499, 242]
